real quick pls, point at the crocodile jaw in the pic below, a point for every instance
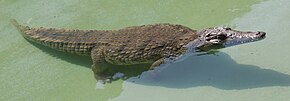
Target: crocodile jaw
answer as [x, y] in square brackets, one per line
[244, 37]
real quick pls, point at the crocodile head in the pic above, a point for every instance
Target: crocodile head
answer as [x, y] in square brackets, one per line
[220, 37]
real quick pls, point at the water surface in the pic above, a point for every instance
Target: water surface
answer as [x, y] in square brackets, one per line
[257, 71]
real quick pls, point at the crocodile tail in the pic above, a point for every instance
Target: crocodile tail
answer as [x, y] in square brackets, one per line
[18, 26]
[72, 41]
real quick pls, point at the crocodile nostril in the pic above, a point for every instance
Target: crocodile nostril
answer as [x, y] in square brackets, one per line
[261, 34]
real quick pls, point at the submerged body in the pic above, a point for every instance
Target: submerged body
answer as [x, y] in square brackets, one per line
[135, 45]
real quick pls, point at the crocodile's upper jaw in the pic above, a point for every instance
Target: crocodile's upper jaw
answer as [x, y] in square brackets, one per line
[220, 37]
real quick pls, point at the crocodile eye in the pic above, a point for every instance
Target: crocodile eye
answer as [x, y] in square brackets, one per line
[222, 37]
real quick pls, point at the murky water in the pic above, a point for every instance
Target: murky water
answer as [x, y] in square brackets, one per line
[258, 71]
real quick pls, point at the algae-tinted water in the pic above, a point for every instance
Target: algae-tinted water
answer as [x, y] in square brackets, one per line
[256, 71]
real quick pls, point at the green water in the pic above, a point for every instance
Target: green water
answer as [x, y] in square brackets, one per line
[257, 71]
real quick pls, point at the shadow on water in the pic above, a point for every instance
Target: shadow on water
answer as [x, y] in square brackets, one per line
[217, 71]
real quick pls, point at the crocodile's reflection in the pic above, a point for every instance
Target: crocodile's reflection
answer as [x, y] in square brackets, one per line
[219, 71]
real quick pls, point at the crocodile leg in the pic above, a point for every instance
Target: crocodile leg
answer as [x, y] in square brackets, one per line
[157, 63]
[100, 66]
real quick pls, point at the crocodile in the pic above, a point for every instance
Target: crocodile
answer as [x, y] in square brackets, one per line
[153, 43]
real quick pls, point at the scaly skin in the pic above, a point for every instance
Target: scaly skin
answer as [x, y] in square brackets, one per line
[131, 45]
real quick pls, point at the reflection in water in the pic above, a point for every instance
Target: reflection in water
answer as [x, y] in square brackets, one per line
[218, 71]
